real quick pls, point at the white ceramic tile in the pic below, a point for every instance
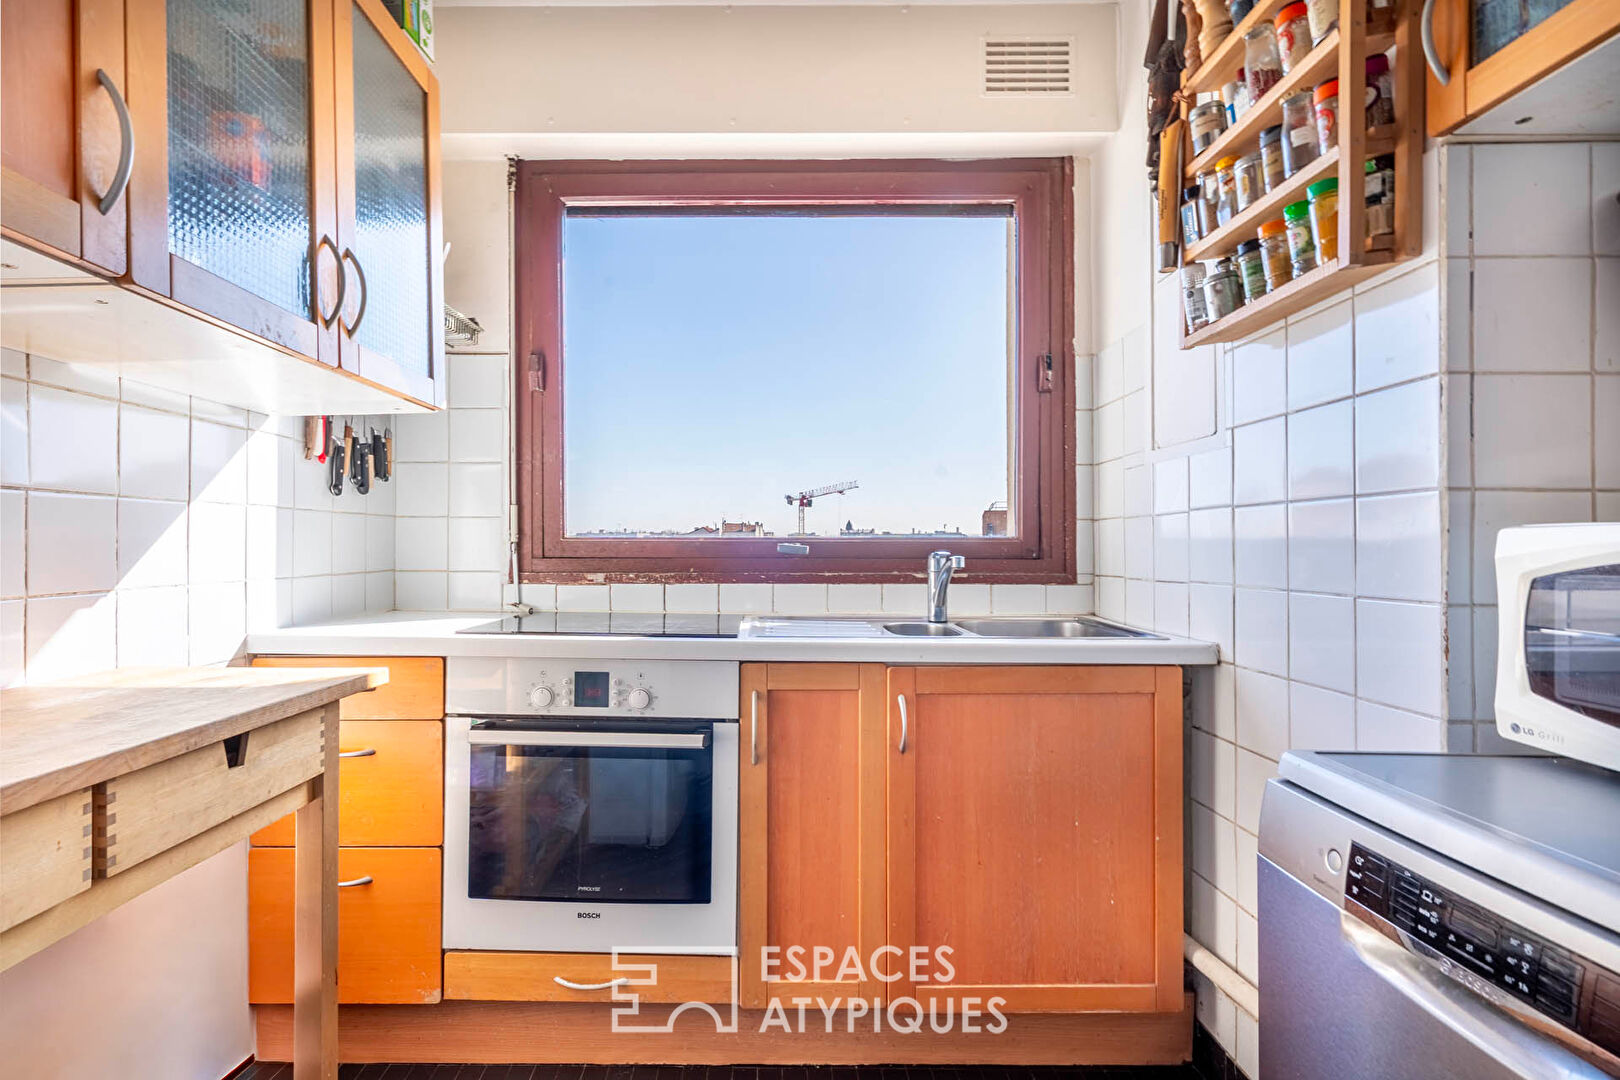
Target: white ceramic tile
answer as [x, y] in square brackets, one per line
[348, 595]
[1085, 492]
[152, 538]
[1247, 1051]
[540, 597]
[1138, 490]
[1139, 604]
[1170, 547]
[1400, 650]
[1248, 865]
[1110, 489]
[1085, 445]
[1209, 552]
[1532, 314]
[477, 490]
[1067, 600]
[1212, 773]
[1606, 447]
[152, 454]
[1533, 431]
[1211, 916]
[966, 599]
[217, 621]
[704, 598]
[476, 380]
[202, 408]
[1322, 641]
[1398, 438]
[312, 543]
[1261, 630]
[1319, 357]
[1139, 547]
[1260, 378]
[85, 378]
[479, 544]
[152, 627]
[1084, 379]
[1320, 719]
[1459, 663]
[1457, 330]
[1110, 431]
[1108, 378]
[218, 462]
[1260, 545]
[422, 437]
[1213, 840]
[477, 434]
[1398, 546]
[12, 647]
[312, 599]
[1497, 510]
[847, 599]
[1170, 608]
[1321, 452]
[1381, 728]
[269, 467]
[1219, 712]
[1605, 205]
[1011, 599]
[423, 591]
[1109, 538]
[379, 543]
[1253, 771]
[13, 431]
[1459, 546]
[1458, 391]
[1485, 650]
[70, 635]
[1111, 598]
[423, 490]
[1170, 486]
[1532, 199]
[1135, 358]
[1456, 182]
[474, 591]
[269, 542]
[1606, 346]
[1138, 421]
[1322, 546]
[1260, 462]
[380, 591]
[1210, 478]
[1210, 616]
[14, 362]
[71, 543]
[309, 484]
[1397, 329]
[217, 543]
[745, 599]
[72, 441]
[422, 544]
[13, 548]
[802, 599]
[348, 543]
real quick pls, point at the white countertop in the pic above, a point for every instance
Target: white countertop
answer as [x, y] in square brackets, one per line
[408, 633]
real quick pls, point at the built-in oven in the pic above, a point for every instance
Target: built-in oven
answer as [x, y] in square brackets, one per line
[591, 805]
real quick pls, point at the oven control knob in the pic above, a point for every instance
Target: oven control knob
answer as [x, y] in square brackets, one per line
[541, 697]
[639, 698]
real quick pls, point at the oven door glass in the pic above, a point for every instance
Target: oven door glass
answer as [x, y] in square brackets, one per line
[1572, 640]
[590, 812]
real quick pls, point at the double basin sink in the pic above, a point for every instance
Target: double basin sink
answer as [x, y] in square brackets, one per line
[1073, 627]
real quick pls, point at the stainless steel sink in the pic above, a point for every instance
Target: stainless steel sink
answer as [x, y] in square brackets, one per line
[1049, 628]
[922, 629]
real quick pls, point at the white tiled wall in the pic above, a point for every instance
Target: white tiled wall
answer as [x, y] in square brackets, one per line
[143, 527]
[1533, 376]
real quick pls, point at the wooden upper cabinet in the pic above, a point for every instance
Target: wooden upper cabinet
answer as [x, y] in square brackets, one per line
[63, 91]
[1034, 827]
[1491, 49]
[390, 227]
[811, 862]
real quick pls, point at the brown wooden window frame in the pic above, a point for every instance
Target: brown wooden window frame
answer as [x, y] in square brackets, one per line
[1040, 192]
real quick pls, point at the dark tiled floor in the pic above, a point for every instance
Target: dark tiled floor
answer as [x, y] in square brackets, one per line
[270, 1071]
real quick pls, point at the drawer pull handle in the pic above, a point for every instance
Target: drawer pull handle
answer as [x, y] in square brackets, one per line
[352, 882]
[369, 751]
[753, 729]
[610, 984]
[126, 144]
[905, 722]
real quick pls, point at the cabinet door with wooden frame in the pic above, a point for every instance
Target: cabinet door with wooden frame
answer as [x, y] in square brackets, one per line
[66, 144]
[1034, 827]
[811, 860]
[390, 225]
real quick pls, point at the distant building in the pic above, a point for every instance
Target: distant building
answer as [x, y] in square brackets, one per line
[993, 522]
[742, 528]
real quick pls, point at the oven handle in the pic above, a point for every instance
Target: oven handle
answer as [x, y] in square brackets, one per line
[618, 740]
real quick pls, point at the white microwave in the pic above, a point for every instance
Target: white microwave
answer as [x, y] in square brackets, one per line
[1558, 651]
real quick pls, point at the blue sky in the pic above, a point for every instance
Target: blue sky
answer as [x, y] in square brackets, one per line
[717, 363]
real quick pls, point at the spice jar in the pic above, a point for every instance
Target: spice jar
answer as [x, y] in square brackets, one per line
[1271, 156]
[1262, 66]
[1380, 184]
[1222, 292]
[1327, 115]
[1229, 97]
[1238, 9]
[1207, 121]
[1209, 191]
[1293, 36]
[1250, 178]
[1274, 254]
[1324, 198]
[1189, 215]
[1380, 91]
[1301, 245]
[1226, 189]
[1322, 15]
[1193, 307]
[1251, 270]
[1298, 133]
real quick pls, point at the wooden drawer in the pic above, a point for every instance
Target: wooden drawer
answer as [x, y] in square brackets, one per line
[150, 810]
[504, 976]
[47, 850]
[389, 938]
[392, 796]
[414, 691]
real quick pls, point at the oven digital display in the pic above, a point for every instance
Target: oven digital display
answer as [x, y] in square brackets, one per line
[590, 689]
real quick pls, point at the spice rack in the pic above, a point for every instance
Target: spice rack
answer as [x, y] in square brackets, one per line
[1341, 54]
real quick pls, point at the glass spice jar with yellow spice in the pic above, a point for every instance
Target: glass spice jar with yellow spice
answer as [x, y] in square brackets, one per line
[1274, 254]
[1324, 202]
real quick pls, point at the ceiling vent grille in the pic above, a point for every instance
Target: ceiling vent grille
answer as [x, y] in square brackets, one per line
[1028, 66]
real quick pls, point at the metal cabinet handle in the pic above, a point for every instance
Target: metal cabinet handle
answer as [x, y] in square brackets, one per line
[315, 282]
[753, 728]
[367, 752]
[905, 721]
[1431, 55]
[610, 984]
[352, 882]
[126, 144]
[350, 259]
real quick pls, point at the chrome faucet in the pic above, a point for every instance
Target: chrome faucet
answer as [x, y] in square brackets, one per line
[941, 564]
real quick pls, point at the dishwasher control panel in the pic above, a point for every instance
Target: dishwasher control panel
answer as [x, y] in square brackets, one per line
[1564, 987]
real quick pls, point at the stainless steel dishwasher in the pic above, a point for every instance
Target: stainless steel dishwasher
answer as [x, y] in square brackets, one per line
[1430, 917]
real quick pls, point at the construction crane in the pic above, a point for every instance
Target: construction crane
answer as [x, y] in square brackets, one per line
[804, 499]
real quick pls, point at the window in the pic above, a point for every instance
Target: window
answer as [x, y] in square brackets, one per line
[795, 370]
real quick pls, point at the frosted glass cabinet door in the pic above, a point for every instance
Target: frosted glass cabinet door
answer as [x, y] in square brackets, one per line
[390, 223]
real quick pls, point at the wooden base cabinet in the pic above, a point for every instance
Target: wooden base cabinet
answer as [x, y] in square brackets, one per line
[1027, 819]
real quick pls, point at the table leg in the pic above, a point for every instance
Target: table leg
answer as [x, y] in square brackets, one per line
[315, 928]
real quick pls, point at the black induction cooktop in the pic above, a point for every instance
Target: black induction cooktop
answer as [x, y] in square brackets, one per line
[617, 623]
